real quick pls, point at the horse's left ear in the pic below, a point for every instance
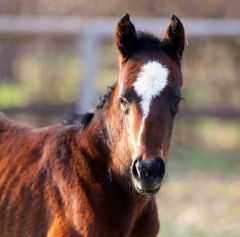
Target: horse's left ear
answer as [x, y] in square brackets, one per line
[125, 36]
[175, 35]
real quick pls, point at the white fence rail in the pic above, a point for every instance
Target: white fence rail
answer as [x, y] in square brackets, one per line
[105, 26]
[89, 32]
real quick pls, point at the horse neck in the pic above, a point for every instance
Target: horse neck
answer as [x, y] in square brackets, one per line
[107, 139]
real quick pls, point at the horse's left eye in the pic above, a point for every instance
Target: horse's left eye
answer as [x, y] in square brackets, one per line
[124, 104]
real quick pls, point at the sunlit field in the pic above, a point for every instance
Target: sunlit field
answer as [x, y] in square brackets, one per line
[201, 194]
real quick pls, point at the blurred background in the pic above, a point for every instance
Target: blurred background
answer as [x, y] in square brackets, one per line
[57, 57]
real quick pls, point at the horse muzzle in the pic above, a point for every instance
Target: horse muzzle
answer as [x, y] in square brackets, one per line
[148, 175]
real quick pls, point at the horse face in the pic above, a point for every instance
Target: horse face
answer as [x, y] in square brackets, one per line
[149, 95]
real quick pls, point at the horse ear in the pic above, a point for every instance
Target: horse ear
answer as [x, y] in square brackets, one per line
[175, 35]
[125, 36]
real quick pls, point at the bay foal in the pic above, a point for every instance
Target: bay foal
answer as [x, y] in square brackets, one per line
[98, 178]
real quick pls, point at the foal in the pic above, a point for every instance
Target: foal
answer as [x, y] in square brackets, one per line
[98, 179]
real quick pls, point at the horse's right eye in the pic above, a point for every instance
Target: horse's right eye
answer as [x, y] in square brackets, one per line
[175, 105]
[124, 104]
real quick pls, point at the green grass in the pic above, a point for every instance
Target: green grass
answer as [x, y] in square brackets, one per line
[43, 76]
[12, 95]
[200, 197]
[188, 159]
[200, 205]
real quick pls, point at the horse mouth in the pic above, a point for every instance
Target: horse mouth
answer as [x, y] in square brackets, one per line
[144, 187]
[148, 192]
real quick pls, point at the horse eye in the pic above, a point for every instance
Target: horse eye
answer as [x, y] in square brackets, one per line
[175, 105]
[124, 104]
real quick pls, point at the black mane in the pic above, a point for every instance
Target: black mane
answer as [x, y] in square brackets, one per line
[82, 120]
[104, 98]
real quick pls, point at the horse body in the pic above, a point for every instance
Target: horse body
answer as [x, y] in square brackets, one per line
[99, 176]
[56, 187]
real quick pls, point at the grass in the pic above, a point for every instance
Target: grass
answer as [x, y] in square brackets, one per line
[200, 205]
[11, 95]
[43, 76]
[189, 159]
[200, 197]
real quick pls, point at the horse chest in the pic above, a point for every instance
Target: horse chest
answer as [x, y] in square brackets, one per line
[105, 214]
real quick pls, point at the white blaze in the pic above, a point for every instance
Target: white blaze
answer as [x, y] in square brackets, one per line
[150, 82]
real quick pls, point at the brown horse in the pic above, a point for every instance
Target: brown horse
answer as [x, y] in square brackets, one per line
[98, 177]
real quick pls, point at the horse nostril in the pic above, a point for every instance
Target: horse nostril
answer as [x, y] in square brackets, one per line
[161, 166]
[136, 167]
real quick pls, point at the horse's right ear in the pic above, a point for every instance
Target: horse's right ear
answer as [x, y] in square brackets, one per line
[125, 36]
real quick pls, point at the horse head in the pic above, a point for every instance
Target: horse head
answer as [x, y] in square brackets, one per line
[149, 94]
